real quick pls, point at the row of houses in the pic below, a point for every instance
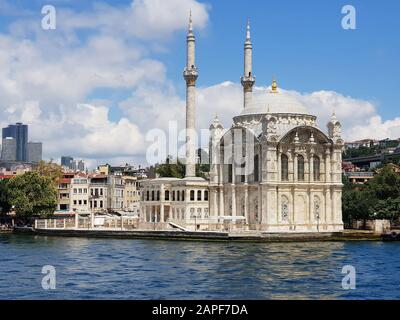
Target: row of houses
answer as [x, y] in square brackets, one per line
[98, 193]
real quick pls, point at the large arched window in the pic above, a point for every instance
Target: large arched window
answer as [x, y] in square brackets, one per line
[300, 168]
[191, 195]
[206, 195]
[183, 195]
[284, 167]
[317, 168]
[199, 195]
[166, 196]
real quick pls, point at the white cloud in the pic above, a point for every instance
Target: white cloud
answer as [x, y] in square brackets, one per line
[48, 78]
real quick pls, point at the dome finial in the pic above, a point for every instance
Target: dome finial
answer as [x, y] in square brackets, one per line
[274, 86]
[190, 22]
[248, 29]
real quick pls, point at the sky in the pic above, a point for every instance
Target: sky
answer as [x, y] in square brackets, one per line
[111, 71]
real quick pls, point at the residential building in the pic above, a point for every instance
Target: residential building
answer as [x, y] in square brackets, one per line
[131, 194]
[99, 200]
[79, 194]
[64, 193]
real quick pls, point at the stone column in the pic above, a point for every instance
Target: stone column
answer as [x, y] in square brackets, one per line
[233, 201]
[311, 166]
[221, 210]
[162, 213]
[327, 166]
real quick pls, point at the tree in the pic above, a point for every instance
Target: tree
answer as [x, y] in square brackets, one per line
[4, 203]
[51, 170]
[32, 195]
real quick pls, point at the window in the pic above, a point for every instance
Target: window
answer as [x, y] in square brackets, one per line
[85, 202]
[166, 195]
[317, 164]
[158, 195]
[300, 168]
[199, 195]
[80, 202]
[256, 169]
[75, 191]
[183, 195]
[152, 195]
[101, 191]
[242, 176]
[178, 195]
[230, 173]
[101, 203]
[75, 202]
[284, 208]
[206, 195]
[284, 167]
[147, 195]
[173, 195]
[191, 195]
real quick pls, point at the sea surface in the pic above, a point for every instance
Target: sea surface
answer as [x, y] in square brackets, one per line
[149, 269]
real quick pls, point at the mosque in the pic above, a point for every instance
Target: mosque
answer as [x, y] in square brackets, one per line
[274, 170]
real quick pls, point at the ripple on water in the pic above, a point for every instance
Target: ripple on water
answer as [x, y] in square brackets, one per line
[139, 269]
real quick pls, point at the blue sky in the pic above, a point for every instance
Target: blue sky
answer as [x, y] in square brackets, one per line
[301, 43]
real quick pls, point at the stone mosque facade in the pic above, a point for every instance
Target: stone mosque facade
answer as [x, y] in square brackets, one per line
[274, 170]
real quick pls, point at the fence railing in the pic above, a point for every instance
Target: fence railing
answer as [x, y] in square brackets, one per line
[88, 223]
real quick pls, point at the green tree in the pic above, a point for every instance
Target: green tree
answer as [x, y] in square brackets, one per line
[4, 203]
[32, 195]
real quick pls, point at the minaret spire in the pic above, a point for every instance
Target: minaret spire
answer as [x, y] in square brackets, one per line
[190, 75]
[248, 79]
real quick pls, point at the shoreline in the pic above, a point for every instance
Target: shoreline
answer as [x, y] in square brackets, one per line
[347, 235]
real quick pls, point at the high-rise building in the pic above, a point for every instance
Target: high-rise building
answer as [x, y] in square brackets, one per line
[19, 132]
[66, 161]
[34, 152]
[9, 149]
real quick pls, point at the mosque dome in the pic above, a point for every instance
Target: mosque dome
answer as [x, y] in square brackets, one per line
[274, 101]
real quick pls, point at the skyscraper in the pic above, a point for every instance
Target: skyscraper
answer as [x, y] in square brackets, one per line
[19, 132]
[66, 161]
[34, 152]
[9, 149]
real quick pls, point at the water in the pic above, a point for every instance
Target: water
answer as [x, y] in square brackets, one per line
[143, 269]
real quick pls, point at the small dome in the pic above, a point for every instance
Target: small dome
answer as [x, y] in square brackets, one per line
[274, 102]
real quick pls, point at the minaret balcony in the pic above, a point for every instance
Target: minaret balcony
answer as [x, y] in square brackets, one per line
[191, 75]
[248, 82]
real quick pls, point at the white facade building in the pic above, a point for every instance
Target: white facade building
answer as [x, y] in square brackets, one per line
[275, 170]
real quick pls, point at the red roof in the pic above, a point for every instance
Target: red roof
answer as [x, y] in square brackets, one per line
[2, 177]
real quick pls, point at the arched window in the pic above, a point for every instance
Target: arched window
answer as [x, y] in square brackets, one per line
[285, 167]
[191, 195]
[300, 168]
[166, 195]
[199, 195]
[256, 167]
[317, 168]
[152, 196]
[206, 195]
[148, 195]
[158, 195]
[178, 195]
[183, 195]
[173, 195]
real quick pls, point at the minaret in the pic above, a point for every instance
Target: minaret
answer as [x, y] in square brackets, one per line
[190, 74]
[248, 80]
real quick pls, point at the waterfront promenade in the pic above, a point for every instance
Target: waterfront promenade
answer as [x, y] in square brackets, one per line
[126, 228]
